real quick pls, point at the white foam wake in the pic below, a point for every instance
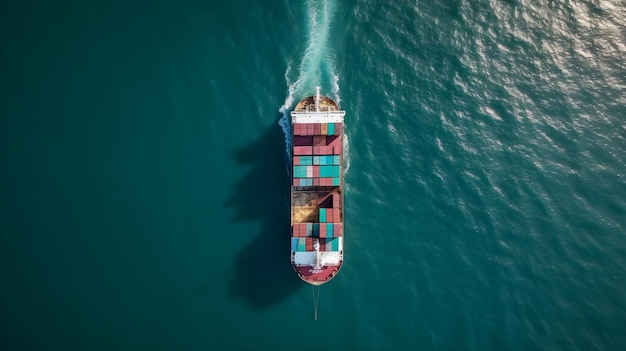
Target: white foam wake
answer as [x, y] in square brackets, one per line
[316, 66]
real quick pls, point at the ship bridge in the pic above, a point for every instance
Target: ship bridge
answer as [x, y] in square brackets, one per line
[317, 109]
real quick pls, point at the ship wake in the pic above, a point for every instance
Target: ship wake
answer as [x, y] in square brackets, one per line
[316, 68]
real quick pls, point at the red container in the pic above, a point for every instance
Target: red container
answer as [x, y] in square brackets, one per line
[322, 230]
[329, 214]
[317, 129]
[338, 128]
[316, 150]
[316, 171]
[296, 160]
[309, 129]
[337, 215]
[337, 230]
[316, 182]
[303, 150]
[309, 244]
[296, 229]
[335, 200]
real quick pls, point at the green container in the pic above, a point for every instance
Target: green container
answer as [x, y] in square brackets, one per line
[316, 160]
[331, 128]
[335, 181]
[335, 171]
[322, 215]
[335, 160]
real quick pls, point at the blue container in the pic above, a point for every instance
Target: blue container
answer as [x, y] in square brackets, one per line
[331, 128]
[322, 215]
[335, 181]
[335, 160]
[316, 160]
[309, 182]
[294, 244]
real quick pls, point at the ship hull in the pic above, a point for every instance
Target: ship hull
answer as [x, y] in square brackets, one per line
[317, 227]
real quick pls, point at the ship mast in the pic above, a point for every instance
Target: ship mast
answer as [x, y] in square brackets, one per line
[317, 98]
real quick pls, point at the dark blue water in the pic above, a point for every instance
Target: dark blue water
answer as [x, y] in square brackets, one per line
[144, 178]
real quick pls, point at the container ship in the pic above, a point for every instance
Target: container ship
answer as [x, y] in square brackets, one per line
[317, 189]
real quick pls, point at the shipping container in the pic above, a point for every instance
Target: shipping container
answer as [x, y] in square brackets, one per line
[322, 215]
[309, 229]
[335, 181]
[295, 230]
[329, 215]
[329, 230]
[302, 150]
[324, 129]
[306, 160]
[294, 244]
[310, 129]
[338, 128]
[317, 129]
[316, 160]
[301, 244]
[316, 230]
[316, 171]
[329, 246]
[316, 182]
[337, 229]
[336, 160]
[336, 215]
[335, 171]
[331, 129]
[323, 230]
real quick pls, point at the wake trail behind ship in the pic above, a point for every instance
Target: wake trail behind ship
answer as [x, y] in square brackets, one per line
[316, 67]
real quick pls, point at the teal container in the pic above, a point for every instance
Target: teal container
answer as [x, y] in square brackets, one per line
[316, 230]
[323, 215]
[335, 181]
[329, 230]
[335, 160]
[335, 171]
[316, 160]
[331, 128]
[335, 244]
[323, 160]
[309, 229]
[306, 160]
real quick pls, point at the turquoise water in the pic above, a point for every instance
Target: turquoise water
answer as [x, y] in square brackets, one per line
[145, 190]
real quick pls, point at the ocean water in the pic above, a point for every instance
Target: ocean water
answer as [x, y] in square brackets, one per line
[145, 189]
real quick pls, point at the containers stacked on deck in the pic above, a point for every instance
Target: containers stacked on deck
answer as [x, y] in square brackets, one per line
[317, 154]
[306, 244]
[316, 230]
[318, 129]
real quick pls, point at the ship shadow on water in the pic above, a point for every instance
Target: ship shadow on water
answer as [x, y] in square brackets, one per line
[263, 273]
